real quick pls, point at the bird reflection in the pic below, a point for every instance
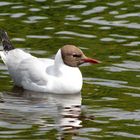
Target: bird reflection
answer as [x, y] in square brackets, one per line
[64, 109]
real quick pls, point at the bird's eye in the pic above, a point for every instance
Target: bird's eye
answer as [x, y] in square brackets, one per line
[76, 55]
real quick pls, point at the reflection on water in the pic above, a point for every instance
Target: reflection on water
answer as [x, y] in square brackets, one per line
[1, 98]
[38, 36]
[109, 83]
[94, 10]
[4, 3]
[134, 53]
[128, 135]
[117, 114]
[118, 23]
[125, 66]
[75, 34]
[34, 19]
[50, 111]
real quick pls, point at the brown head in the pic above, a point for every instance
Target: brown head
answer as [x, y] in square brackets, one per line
[73, 56]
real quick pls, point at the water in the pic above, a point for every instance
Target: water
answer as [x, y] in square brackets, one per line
[108, 106]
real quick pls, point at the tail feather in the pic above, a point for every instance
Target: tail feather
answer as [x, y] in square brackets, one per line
[3, 56]
[7, 45]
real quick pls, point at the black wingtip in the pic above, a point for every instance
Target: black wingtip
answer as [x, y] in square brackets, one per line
[7, 45]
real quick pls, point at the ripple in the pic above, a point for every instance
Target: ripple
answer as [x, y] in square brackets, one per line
[94, 10]
[134, 43]
[114, 12]
[49, 28]
[114, 69]
[1, 97]
[124, 36]
[17, 15]
[88, 130]
[107, 39]
[2, 3]
[138, 76]
[134, 53]
[8, 136]
[105, 28]
[34, 9]
[128, 124]
[137, 5]
[101, 121]
[117, 114]
[65, 37]
[115, 3]
[125, 134]
[72, 17]
[125, 66]
[45, 7]
[34, 19]
[18, 7]
[128, 15]
[77, 6]
[15, 126]
[124, 9]
[130, 65]
[2, 19]
[75, 34]
[108, 99]
[119, 23]
[18, 39]
[114, 56]
[3, 67]
[40, 0]
[133, 94]
[57, 1]
[105, 82]
[109, 83]
[7, 132]
[88, 1]
[38, 36]
[85, 25]
[4, 14]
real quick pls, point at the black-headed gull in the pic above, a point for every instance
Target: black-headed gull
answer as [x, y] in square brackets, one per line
[60, 75]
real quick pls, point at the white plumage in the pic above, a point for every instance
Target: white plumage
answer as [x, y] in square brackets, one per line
[42, 75]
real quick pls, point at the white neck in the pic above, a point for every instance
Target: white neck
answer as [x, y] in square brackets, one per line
[58, 58]
[67, 78]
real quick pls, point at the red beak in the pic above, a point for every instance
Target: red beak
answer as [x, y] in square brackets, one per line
[90, 60]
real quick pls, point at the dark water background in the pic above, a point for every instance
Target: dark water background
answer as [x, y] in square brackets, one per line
[108, 107]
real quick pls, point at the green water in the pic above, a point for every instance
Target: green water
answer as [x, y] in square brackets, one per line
[108, 107]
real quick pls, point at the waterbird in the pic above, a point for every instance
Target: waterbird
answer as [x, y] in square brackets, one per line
[58, 75]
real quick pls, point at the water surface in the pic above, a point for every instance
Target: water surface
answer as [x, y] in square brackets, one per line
[108, 106]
